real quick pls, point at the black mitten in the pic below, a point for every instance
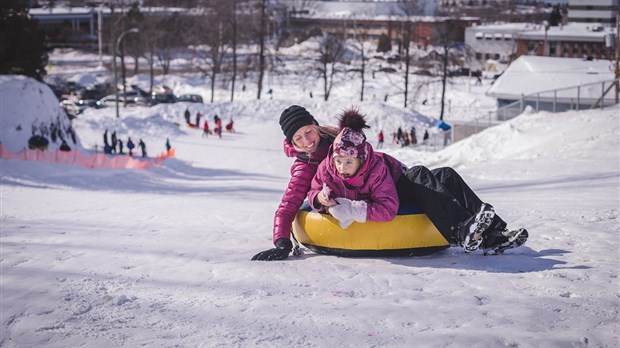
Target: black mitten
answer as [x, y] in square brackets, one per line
[280, 252]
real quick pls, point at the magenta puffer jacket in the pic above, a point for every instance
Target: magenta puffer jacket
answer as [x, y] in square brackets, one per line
[302, 172]
[375, 184]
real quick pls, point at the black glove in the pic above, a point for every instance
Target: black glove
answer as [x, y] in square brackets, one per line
[280, 252]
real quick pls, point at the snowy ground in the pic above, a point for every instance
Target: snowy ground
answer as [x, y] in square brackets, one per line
[160, 258]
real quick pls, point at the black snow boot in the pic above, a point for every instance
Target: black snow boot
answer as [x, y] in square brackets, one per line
[496, 242]
[471, 231]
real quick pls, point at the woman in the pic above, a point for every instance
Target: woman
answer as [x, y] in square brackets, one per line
[308, 142]
[455, 210]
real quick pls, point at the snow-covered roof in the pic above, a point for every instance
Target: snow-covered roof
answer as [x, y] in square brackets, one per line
[532, 74]
[571, 31]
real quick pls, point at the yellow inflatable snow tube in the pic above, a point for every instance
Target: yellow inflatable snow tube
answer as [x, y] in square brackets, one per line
[410, 233]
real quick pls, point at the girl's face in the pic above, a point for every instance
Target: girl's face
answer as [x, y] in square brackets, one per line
[347, 166]
[306, 139]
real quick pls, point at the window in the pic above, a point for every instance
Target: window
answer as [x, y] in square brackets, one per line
[553, 49]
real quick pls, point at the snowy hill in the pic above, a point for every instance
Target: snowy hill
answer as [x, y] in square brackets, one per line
[160, 257]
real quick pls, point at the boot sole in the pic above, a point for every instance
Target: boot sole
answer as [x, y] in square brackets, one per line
[514, 241]
[483, 221]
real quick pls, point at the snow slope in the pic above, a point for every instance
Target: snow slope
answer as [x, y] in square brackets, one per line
[160, 257]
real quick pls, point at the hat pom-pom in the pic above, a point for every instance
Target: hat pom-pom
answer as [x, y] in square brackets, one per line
[351, 118]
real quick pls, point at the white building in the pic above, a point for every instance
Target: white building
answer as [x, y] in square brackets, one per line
[593, 11]
[553, 84]
[494, 41]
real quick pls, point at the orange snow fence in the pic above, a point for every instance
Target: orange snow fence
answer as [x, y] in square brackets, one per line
[95, 160]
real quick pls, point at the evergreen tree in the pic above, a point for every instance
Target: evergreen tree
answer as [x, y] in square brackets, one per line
[22, 46]
[384, 44]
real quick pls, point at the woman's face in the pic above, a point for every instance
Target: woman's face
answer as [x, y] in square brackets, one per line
[347, 166]
[307, 139]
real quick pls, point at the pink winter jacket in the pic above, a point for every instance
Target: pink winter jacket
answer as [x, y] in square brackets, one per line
[302, 172]
[375, 184]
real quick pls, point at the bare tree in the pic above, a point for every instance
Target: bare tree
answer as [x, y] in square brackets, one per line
[360, 45]
[232, 18]
[207, 35]
[166, 45]
[410, 8]
[331, 50]
[446, 37]
[261, 44]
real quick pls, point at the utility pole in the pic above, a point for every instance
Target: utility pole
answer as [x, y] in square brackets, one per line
[113, 47]
[617, 54]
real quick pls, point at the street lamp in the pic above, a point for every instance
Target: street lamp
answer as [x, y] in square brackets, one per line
[546, 24]
[118, 43]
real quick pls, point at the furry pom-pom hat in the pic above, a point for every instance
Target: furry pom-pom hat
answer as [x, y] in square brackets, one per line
[351, 141]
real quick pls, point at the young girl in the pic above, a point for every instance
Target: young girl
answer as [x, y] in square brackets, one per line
[354, 182]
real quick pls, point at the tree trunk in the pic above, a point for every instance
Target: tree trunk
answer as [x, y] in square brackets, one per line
[444, 79]
[407, 44]
[151, 71]
[234, 48]
[261, 54]
[135, 65]
[123, 74]
[363, 73]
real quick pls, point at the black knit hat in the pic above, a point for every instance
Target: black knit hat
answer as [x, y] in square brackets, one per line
[293, 118]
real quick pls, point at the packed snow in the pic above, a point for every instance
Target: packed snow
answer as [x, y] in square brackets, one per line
[161, 257]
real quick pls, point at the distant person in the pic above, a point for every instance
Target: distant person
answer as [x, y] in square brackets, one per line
[130, 146]
[412, 136]
[381, 139]
[53, 132]
[229, 126]
[113, 141]
[425, 137]
[120, 147]
[399, 135]
[187, 115]
[218, 125]
[142, 147]
[64, 146]
[198, 117]
[205, 129]
[71, 133]
[105, 138]
[168, 147]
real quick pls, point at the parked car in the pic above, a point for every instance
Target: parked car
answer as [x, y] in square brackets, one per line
[70, 108]
[192, 98]
[159, 98]
[133, 99]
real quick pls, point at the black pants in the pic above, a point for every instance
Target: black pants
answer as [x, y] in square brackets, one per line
[443, 196]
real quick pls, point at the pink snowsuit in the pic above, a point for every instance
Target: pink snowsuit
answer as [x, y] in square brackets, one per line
[375, 183]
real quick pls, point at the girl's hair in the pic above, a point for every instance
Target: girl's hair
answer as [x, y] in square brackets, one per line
[324, 132]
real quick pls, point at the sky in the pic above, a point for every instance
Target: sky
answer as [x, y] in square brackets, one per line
[161, 257]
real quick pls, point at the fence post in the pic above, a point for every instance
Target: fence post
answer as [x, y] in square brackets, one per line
[555, 99]
[537, 101]
[602, 94]
[578, 96]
